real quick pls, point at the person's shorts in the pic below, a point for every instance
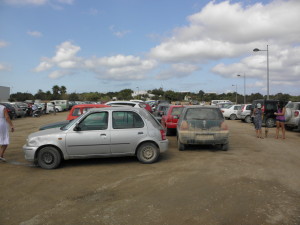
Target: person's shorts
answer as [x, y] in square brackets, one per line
[257, 124]
[280, 120]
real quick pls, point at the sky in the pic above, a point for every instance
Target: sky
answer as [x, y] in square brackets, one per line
[180, 45]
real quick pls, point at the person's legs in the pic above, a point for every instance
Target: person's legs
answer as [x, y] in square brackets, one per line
[282, 129]
[2, 150]
[277, 129]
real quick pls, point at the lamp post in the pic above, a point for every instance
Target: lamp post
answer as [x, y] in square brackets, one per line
[257, 50]
[235, 93]
[244, 86]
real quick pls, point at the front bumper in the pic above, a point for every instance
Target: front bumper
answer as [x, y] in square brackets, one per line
[29, 152]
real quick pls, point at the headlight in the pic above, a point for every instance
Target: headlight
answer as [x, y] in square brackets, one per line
[31, 142]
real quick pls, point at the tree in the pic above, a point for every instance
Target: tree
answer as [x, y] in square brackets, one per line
[125, 94]
[55, 92]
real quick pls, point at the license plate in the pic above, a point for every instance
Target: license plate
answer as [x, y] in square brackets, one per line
[205, 137]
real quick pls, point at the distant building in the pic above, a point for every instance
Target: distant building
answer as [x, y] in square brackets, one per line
[4, 93]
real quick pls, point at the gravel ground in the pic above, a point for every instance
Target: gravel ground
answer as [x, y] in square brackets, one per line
[255, 182]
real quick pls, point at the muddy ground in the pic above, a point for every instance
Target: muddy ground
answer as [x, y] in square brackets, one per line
[256, 182]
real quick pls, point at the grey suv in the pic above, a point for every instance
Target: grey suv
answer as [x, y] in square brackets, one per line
[104, 132]
[292, 115]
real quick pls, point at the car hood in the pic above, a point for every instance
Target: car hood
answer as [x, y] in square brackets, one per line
[50, 131]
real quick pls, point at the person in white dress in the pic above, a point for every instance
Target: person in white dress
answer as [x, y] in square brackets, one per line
[4, 135]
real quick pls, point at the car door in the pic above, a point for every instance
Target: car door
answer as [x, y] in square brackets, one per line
[91, 136]
[128, 129]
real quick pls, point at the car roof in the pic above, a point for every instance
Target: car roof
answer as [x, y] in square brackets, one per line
[89, 106]
[117, 109]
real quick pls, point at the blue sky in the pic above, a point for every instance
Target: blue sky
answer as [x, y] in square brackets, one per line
[190, 45]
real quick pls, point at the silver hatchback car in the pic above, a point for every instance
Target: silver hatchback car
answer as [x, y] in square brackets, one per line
[103, 132]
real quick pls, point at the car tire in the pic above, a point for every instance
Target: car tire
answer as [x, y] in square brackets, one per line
[147, 153]
[270, 122]
[180, 146]
[49, 158]
[224, 147]
[232, 117]
[248, 119]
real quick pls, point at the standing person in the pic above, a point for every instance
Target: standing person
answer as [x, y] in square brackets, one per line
[54, 109]
[4, 136]
[258, 115]
[280, 119]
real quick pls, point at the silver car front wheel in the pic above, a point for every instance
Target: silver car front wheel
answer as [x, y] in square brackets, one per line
[49, 158]
[147, 153]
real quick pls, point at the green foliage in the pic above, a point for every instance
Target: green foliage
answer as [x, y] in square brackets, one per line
[126, 94]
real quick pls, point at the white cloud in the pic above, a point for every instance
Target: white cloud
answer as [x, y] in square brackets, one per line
[118, 67]
[118, 33]
[3, 44]
[57, 74]
[37, 2]
[228, 31]
[4, 67]
[35, 33]
[177, 70]
[26, 2]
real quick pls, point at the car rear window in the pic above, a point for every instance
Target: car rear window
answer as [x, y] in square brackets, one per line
[203, 114]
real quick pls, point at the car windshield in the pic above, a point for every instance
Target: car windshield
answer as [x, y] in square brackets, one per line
[203, 114]
[68, 125]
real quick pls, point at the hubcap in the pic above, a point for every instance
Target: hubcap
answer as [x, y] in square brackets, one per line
[148, 152]
[48, 158]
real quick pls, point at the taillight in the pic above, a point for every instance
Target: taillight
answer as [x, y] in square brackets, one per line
[163, 134]
[243, 108]
[224, 126]
[296, 113]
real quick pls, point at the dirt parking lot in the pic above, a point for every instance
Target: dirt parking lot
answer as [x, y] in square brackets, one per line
[256, 182]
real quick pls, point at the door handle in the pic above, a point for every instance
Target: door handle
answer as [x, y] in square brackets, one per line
[103, 135]
[140, 132]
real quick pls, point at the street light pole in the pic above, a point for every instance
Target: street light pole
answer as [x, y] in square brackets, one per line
[257, 50]
[138, 92]
[244, 86]
[235, 93]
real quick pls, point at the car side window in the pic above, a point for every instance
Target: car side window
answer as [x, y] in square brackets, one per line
[126, 120]
[94, 121]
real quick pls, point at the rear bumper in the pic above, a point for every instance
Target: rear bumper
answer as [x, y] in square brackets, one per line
[163, 145]
[293, 122]
[209, 138]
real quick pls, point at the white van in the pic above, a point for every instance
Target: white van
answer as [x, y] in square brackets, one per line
[215, 102]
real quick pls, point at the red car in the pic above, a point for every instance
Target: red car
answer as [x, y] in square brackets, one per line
[169, 120]
[77, 110]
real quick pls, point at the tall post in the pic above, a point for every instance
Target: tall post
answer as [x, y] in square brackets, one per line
[244, 88]
[268, 72]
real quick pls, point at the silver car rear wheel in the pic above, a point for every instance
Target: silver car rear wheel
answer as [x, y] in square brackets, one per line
[147, 153]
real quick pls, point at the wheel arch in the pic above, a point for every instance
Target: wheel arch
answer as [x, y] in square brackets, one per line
[146, 141]
[48, 145]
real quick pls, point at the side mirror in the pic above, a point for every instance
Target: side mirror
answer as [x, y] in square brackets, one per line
[77, 127]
